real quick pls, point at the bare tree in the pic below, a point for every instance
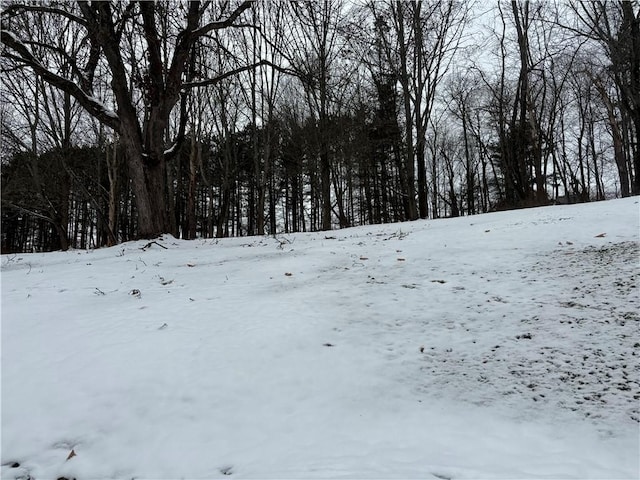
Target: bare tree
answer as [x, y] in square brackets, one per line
[142, 127]
[313, 49]
[616, 26]
[45, 119]
[419, 46]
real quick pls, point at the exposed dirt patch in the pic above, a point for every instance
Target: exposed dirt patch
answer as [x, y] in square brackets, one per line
[576, 348]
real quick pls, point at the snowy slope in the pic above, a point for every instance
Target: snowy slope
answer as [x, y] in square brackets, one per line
[496, 346]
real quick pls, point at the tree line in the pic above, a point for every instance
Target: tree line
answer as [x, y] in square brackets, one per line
[124, 120]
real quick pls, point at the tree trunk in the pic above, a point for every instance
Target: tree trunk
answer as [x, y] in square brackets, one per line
[194, 161]
[422, 179]
[112, 172]
[148, 179]
[618, 146]
[635, 186]
[471, 208]
[407, 172]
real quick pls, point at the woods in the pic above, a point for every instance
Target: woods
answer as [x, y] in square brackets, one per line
[214, 119]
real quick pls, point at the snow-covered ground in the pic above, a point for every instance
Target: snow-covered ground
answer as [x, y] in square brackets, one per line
[503, 345]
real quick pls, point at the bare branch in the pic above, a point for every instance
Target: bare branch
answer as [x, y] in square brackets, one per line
[225, 23]
[69, 60]
[16, 9]
[91, 104]
[27, 211]
[236, 71]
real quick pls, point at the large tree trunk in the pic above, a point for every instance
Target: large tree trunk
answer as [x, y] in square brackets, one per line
[148, 181]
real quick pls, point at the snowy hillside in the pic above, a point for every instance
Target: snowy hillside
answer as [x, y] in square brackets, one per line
[503, 345]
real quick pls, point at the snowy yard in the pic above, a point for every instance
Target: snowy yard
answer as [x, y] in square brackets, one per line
[504, 345]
